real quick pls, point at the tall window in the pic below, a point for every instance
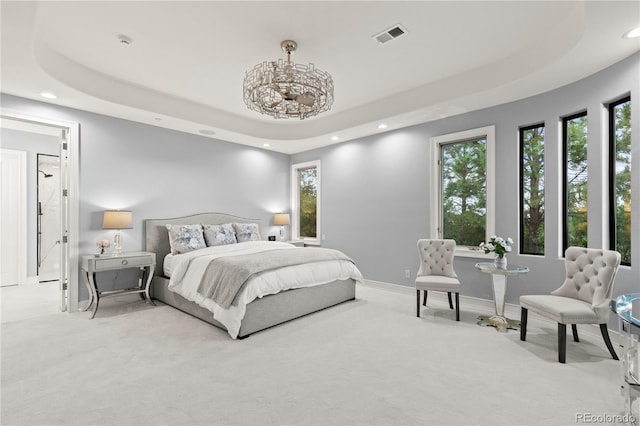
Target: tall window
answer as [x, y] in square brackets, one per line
[306, 200]
[574, 136]
[620, 178]
[532, 189]
[463, 184]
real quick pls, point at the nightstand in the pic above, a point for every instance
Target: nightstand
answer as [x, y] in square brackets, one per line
[297, 243]
[143, 260]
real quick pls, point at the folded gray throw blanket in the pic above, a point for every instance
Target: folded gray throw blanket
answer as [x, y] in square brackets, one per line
[225, 277]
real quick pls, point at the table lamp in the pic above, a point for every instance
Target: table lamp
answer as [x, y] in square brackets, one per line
[117, 219]
[281, 219]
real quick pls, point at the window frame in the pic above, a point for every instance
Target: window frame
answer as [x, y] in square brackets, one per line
[489, 134]
[612, 173]
[295, 201]
[565, 194]
[521, 131]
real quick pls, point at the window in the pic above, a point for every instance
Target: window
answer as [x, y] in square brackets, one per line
[305, 178]
[620, 178]
[532, 189]
[574, 137]
[463, 182]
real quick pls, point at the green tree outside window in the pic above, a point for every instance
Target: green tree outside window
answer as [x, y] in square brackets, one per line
[575, 135]
[464, 191]
[620, 123]
[308, 187]
[532, 195]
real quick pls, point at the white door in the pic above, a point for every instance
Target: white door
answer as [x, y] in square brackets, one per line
[13, 205]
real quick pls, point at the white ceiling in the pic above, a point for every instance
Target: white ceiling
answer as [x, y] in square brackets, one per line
[185, 65]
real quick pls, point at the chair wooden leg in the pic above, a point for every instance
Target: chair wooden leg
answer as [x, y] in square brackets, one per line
[457, 306]
[424, 302]
[607, 341]
[574, 330]
[523, 324]
[562, 343]
[418, 303]
[450, 303]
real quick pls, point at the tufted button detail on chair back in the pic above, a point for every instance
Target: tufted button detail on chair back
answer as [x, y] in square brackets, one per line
[436, 257]
[590, 274]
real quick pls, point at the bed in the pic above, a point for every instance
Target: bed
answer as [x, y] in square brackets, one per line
[255, 309]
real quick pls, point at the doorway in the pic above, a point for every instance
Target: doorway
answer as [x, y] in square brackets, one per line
[66, 151]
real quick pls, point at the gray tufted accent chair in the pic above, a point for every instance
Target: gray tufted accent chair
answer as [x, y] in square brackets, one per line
[436, 271]
[583, 298]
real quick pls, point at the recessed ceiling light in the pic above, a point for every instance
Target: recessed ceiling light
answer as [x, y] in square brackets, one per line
[382, 126]
[48, 95]
[335, 138]
[123, 39]
[207, 132]
[634, 33]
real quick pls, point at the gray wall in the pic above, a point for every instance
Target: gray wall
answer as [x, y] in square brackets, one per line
[160, 173]
[33, 144]
[377, 191]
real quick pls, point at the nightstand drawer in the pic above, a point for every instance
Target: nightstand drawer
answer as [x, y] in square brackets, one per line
[121, 262]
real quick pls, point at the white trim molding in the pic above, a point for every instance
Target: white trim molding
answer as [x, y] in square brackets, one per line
[295, 201]
[436, 142]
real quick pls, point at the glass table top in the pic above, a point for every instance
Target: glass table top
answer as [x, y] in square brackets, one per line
[627, 307]
[491, 268]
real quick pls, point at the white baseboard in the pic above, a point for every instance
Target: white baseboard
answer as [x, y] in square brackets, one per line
[32, 280]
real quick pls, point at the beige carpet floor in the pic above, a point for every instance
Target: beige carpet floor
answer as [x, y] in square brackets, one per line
[366, 362]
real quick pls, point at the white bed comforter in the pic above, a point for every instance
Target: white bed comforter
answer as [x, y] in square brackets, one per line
[188, 268]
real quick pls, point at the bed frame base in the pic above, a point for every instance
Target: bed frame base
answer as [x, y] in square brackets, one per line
[268, 311]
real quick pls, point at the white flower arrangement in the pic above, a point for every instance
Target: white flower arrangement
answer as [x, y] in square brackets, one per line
[103, 244]
[497, 245]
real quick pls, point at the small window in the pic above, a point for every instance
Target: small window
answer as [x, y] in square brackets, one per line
[620, 178]
[574, 137]
[532, 189]
[306, 201]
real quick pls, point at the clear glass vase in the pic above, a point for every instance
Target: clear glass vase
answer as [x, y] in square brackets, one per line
[500, 261]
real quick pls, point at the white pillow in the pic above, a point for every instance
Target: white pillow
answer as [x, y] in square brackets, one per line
[185, 238]
[247, 231]
[219, 235]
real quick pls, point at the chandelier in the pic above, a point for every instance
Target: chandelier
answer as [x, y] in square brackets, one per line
[284, 89]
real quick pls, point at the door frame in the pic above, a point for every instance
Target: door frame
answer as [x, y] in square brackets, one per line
[69, 202]
[40, 230]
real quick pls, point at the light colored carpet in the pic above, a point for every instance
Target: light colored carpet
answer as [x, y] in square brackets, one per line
[370, 361]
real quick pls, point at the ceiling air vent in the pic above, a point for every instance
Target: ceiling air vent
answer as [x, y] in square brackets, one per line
[389, 34]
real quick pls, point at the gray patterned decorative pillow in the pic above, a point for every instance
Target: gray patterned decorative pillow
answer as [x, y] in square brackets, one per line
[185, 238]
[247, 231]
[219, 235]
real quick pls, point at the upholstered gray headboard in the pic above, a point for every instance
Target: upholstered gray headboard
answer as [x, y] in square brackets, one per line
[157, 237]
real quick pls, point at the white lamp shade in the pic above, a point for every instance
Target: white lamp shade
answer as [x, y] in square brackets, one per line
[117, 219]
[281, 219]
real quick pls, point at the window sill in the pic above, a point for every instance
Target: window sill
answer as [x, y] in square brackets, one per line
[472, 253]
